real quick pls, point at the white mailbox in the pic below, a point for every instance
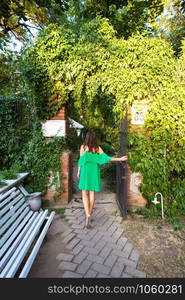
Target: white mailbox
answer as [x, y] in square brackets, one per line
[53, 128]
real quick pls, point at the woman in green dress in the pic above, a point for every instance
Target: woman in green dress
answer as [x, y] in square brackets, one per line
[91, 157]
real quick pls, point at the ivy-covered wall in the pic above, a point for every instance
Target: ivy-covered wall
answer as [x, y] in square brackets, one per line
[22, 145]
[96, 73]
[158, 150]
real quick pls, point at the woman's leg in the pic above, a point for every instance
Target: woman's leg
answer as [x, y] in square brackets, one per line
[91, 201]
[85, 199]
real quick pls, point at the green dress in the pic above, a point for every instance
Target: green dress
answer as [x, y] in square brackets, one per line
[89, 164]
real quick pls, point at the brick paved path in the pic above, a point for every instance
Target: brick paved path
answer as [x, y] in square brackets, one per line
[102, 251]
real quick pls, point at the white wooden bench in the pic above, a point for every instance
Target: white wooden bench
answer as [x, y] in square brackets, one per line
[22, 230]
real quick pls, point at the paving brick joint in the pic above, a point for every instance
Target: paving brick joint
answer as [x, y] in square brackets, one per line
[102, 251]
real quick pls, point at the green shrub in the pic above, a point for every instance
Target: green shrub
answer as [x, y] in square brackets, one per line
[39, 159]
[159, 152]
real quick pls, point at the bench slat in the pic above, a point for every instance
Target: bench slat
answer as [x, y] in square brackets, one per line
[19, 228]
[24, 210]
[22, 189]
[13, 183]
[11, 196]
[7, 207]
[4, 195]
[36, 248]
[10, 216]
[30, 219]
[18, 256]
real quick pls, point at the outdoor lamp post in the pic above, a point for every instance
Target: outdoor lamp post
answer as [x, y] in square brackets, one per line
[155, 201]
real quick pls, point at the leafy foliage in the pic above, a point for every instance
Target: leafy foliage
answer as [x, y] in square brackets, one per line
[98, 76]
[95, 73]
[14, 131]
[17, 113]
[159, 153]
[18, 16]
[22, 145]
[40, 159]
[171, 23]
[127, 17]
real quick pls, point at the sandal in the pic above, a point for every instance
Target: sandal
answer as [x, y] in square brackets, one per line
[87, 224]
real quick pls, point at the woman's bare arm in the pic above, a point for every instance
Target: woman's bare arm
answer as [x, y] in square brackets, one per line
[123, 158]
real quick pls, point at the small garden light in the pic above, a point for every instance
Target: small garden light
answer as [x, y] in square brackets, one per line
[155, 201]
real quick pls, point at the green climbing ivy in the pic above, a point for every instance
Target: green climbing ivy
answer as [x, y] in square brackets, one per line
[40, 159]
[22, 145]
[95, 72]
[159, 152]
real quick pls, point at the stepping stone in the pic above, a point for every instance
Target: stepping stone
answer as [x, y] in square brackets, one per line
[65, 256]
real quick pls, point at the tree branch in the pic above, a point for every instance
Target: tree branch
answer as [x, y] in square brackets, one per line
[16, 36]
[30, 26]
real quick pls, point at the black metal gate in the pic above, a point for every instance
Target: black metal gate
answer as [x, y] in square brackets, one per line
[122, 171]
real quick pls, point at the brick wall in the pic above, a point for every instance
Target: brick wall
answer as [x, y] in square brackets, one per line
[62, 115]
[67, 180]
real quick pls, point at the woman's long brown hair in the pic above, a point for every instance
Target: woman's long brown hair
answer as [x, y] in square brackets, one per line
[91, 142]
